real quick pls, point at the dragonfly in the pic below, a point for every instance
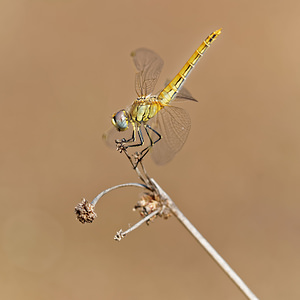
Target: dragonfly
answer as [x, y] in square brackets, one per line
[153, 115]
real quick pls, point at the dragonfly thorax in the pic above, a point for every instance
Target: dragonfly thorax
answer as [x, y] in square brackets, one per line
[144, 108]
[120, 120]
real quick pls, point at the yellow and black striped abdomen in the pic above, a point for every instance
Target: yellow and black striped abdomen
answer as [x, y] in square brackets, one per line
[170, 91]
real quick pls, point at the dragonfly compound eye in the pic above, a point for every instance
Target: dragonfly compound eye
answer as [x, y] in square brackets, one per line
[120, 120]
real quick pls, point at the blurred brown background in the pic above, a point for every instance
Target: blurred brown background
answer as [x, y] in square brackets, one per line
[65, 68]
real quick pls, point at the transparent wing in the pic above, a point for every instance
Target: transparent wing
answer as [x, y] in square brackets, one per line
[113, 134]
[149, 66]
[182, 95]
[174, 124]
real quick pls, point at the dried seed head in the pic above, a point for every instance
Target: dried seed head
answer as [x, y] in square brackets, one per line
[85, 212]
[149, 203]
[120, 234]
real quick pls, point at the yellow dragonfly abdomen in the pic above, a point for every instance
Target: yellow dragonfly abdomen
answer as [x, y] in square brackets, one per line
[171, 90]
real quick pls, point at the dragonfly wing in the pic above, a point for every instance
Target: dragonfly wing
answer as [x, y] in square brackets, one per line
[174, 124]
[149, 66]
[112, 134]
[182, 95]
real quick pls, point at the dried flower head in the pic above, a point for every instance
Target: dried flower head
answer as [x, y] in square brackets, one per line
[85, 212]
[120, 234]
[149, 203]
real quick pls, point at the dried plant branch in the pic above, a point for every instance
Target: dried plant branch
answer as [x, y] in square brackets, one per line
[156, 202]
[205, 244]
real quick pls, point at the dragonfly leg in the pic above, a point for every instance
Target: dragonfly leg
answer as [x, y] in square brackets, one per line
[150, 138]
[122, 141]
[159, 135]
[122, 144]
[133, 139]
[146, 150]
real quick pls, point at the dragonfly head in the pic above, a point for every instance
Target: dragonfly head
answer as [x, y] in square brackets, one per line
[120, 120]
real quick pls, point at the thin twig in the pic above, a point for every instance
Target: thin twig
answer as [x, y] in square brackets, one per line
[145, 219]
[205, 244]
[120, 234]
[138, 172]
[96, 199]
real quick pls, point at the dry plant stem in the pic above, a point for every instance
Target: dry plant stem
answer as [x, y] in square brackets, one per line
[96, 199]
[135, 226]
[145, 219]
[204, 243]
[144, 177]
[145, 180]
